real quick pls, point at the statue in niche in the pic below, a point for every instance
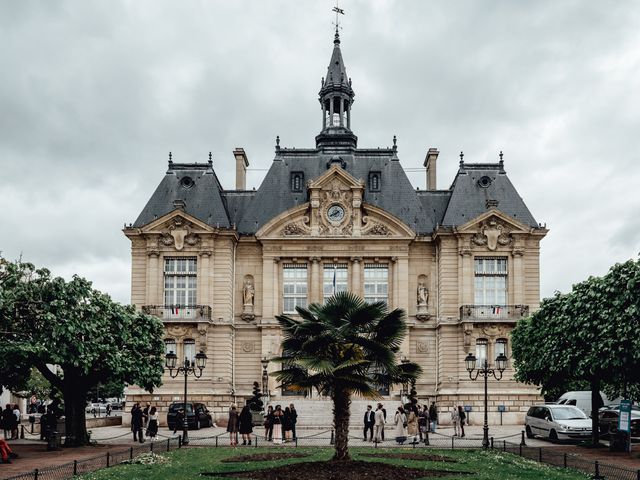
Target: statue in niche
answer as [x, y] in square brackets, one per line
[248, 298]
[249, 291]
[423, 294]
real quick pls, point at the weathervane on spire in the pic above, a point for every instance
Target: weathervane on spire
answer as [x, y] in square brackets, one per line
[339, 11]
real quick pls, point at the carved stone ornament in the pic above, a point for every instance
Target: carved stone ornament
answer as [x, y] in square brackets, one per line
[247, 347]
[422, 347]
[492, 233]
[293, 229]
[248, 298]
[468, 331]
[493, 329]
[179, 234]
[177, 331]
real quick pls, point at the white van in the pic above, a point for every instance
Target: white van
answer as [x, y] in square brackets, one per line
[582, 400]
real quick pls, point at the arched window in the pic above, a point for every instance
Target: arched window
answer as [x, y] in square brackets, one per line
[374, 181]
[189, 351]
[169, 346]
[501, 347]
[481, 351]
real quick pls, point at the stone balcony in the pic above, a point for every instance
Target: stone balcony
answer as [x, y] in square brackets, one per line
[179, 313]
[493, 313]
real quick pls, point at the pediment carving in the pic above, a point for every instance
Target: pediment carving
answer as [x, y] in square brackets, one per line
[492, 232]
[178, 233]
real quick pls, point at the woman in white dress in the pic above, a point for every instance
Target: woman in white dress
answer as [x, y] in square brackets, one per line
[277, 425]
[400, 431]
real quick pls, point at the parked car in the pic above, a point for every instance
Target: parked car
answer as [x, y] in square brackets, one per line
[557, 422]
[201, 417]
[582, 400]
[96, 408]
[609, 420]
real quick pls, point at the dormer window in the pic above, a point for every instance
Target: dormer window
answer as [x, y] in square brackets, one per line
[374, 181]
[297, 180]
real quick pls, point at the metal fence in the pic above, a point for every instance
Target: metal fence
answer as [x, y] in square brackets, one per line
[326, 438]
[109, 459]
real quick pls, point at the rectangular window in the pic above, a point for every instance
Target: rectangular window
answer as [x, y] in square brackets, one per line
[376, 283]
[180, 287]
[170, 346]
[294, 287]
[491, 284]
[335, 280]
[501, 347]
[297, 181]
[374, 181]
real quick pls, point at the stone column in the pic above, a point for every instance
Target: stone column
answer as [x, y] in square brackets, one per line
[331, 112]
[342, 112]
[152, 279]
[204, 275]
[518, 277]
[315, 290]
[348, 116]
[356, 276]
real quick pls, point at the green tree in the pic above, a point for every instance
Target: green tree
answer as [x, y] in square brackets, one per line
[88, 337]
[587, 336]
[341, 348]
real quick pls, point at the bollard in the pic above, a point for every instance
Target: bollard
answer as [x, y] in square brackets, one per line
[332, 441]
[217, 441]
[520, 449]
[296, 440]
[540, 454]
[108, 458]
[491, 443]
[131, 453]
[151, 447]
[522, 442]
[426, 438]
[597, 475]
[180, 441]
[452, 438]
[638, 475]
[168, 444]
[504, 445]
[35, 474]
[256, 442]
[22, 432]
[565, 461]
[75, 468]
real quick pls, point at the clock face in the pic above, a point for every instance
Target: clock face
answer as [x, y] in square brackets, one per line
[335, 213]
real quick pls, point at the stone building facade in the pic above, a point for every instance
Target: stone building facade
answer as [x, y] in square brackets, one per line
[218, 265]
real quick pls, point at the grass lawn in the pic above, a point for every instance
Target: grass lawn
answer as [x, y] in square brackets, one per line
[188, 463]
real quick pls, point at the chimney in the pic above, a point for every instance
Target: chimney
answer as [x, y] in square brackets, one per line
[430, 164]
[242, 162]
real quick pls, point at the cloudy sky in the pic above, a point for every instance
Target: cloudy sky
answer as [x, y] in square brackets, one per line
[94, 94]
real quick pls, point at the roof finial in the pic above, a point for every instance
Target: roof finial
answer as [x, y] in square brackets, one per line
[501, 154]
[210, 157]
[339, 11]
[395, 143]
[170, 161]
[461, 158]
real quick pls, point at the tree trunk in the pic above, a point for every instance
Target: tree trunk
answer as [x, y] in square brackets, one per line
[341, 413]
[596, 403]
[75, 402]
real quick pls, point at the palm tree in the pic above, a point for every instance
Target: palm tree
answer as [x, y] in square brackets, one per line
[343, 347]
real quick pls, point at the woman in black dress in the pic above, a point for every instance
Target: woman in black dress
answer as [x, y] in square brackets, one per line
[232, 426]
[268, 423]
[246, 424]
[287, 424]
[152, 427]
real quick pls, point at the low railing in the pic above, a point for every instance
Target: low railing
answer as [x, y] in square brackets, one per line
[493, 312]
[179, 312]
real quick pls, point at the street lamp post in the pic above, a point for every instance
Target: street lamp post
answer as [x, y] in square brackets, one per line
[265, 379]
[485, 371]
[189, 367]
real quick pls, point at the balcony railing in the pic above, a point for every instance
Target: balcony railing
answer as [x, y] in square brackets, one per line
[177, 313]
[493, 312]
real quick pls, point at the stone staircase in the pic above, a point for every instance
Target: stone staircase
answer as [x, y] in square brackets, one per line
[318, 413]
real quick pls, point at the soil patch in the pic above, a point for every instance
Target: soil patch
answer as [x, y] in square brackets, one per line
[411, 456]
[353, 470]
[264, 457]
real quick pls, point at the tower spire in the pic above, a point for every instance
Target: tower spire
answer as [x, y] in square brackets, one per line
[336, 97]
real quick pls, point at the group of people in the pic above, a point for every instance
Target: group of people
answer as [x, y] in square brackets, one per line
[280, 425]
[10, 421]
[240, 423]
[411, 422]
[146, 417]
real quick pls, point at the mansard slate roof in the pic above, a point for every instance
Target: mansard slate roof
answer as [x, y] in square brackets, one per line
[421, 210]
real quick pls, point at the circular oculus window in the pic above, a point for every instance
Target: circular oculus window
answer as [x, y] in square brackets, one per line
[187, 182]
[484, 181]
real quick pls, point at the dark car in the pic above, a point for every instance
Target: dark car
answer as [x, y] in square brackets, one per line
[609, 420]
[201, 418]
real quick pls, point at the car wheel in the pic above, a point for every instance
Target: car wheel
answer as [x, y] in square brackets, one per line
[529, 432]
[553, 436]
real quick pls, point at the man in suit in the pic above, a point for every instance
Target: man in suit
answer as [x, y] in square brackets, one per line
[369, 421]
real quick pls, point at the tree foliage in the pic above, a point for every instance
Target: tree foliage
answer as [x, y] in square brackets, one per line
[341, 348]
[90, 338]
[588, 335]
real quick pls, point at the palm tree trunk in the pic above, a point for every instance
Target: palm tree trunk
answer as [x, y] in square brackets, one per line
[341, 413]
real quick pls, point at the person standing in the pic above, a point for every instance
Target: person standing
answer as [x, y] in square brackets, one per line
[378, 424]
[369, 422]
[294, 420]
[152, 426]
[246, 425]
[286, 424]
[433, 416]
[412, 423]
[463, 418]
[277, 425]
[400, 421]
[16, 425]
[136, 423]
[145, 414]
[455, 421]
[108, 409]
[268, 424]
[179, 421]
[422, 422]
[232, 425]
[8, 418]
[384, 414]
